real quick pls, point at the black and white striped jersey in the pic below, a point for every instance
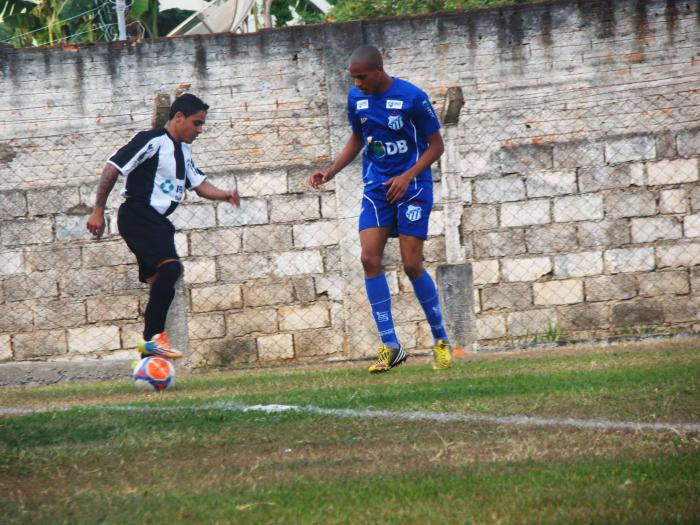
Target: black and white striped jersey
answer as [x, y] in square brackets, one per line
[158, 170]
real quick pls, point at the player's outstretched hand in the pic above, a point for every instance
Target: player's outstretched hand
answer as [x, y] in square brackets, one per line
[397, 188]
[96, 223]
[233, 198]
[319, 177]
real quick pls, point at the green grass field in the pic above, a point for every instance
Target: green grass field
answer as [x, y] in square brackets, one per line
[106, 453]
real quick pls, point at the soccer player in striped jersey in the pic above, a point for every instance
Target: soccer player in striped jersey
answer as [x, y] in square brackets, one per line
[395, 124]
[157, 167]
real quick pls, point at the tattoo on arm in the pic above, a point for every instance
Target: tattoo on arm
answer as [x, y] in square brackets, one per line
[107, 181]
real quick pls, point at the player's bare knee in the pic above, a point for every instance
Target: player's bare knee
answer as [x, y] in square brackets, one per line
[413, 269]
[371, 263]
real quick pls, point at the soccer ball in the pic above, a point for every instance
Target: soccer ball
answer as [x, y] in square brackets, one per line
[154, 374]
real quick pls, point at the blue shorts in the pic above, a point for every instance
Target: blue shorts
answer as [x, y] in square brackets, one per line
[409, 216]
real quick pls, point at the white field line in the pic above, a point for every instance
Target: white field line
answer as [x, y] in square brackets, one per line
[420, 415]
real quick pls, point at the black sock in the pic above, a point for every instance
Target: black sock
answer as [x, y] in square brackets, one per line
[162, 294]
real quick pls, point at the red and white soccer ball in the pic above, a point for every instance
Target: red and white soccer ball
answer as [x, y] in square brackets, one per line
[154, 374]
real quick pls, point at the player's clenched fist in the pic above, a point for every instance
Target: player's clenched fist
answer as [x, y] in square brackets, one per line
[319, 177]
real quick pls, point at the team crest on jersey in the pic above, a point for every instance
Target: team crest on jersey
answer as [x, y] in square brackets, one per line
[395, 121]
[167, 186]
[413, 213]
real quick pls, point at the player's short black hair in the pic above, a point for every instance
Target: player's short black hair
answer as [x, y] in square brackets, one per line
[368, 56]
[187, 104]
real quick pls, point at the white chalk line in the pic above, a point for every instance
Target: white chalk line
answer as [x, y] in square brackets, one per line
[420, 415]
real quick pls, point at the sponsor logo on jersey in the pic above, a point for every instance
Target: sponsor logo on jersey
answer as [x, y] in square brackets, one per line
[167, 186]
[394, 104]
[380, 149]
[413, 213]
[395, 121]
[362, 104]
[382, 317]
[428, 108]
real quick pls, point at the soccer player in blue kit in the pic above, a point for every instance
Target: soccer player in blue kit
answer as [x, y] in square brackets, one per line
[395, 124]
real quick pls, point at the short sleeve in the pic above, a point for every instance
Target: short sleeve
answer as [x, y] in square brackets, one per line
[424, 116]
[194, 176]
[140, 148]
[353, 119]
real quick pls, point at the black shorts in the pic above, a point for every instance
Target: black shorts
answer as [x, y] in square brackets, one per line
[149, 235]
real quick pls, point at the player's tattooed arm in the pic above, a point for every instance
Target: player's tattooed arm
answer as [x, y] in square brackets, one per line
[107, 181]
[96, 221]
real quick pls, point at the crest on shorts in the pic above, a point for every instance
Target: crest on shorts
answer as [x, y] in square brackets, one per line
[395, 121]
[413, 213]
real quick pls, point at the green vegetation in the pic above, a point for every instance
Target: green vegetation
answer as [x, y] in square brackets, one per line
[183, 458]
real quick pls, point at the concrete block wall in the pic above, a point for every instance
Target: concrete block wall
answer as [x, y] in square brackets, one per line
[576, 156]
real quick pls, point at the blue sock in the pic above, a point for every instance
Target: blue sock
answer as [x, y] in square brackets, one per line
[380, 301]
[427, 295]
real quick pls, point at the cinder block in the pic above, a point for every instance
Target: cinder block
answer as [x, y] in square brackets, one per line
[32, 286]
[251, 211]
[601, 177]
[611, 287]
[499, 244]
[301, 317]
[195, 216]
[226, 352]
[603, 233]
[637, 204]
[53, 343]
[578, 264]
[199, 270]
[526, 269]
[673, 201]
[688, 142]
[551, 238]
[511, 296]
[568, 291]
[244, 267]
[625, 260]
[220, 297]
[264, 292]
[630, 148]
[485, 272]
[691, 225]
[578, 208]
[106, 253]
[678, 255]
[26, 231]
[551, 183]
[664, 283]
[215, 242]
[271, 347]
[655, 228]
[112, 307]
[531, 322]
[490, 327]
[11, 263]
[51, 201]
[576, 154]
[250, 321]
[16, 317]
[288, 208]
[206, 326]
[296, 263]
[501, 189]
[682, 310]
[583, 317]
[673, 171]
[12, 204]
[5, 348]
[524, 158]
[318, 343]
[93, 339]
[525, 213]
[637, 313]
[476, 218]
[261, 183]
[319, 233]
[267, 238]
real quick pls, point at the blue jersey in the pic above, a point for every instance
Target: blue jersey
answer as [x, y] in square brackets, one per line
[394, 126]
